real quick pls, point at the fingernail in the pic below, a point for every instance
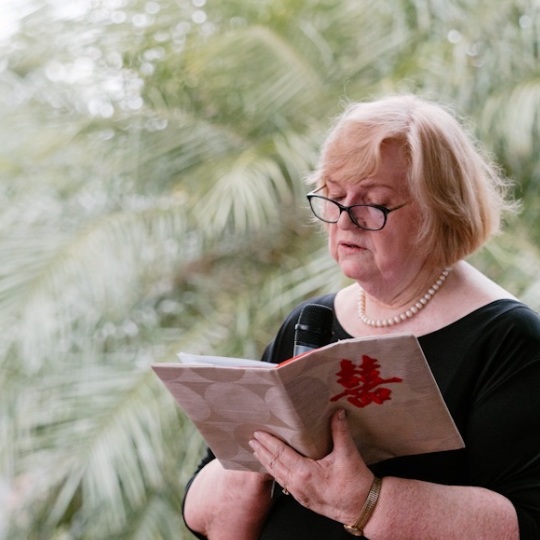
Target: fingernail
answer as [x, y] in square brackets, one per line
[342, 414]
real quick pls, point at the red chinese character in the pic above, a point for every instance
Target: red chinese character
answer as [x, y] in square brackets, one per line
[361, 382]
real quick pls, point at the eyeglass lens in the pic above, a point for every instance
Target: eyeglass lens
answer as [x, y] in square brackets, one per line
[367, 217]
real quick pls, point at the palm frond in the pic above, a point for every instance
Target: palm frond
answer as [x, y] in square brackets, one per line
[154, 203]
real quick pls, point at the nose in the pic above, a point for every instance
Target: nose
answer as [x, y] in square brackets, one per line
[345, 222]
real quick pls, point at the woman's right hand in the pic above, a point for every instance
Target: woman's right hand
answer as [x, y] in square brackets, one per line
[222, 504]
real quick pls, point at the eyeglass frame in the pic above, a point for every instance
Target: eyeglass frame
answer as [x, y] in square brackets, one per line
[342, 208]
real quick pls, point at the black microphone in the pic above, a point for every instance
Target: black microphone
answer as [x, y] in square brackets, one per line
[313, 329]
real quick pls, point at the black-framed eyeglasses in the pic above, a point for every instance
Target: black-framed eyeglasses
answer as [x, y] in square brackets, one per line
[370, 217]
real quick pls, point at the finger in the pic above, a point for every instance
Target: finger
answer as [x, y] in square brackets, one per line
[268, 450]
[341, 434]
[276, 457]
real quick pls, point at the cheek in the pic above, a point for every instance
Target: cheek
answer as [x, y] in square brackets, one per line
[332, 243]
[396, 250]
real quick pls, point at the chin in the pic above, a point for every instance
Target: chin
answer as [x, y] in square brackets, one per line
[352, 271]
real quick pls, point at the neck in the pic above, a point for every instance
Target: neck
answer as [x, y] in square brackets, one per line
[410, 312]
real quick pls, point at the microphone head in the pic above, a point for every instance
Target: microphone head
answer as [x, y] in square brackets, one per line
[314, 327]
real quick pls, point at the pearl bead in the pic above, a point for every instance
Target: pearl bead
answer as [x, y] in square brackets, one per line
[407, 314]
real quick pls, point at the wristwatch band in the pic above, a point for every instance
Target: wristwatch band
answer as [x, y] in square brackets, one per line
[369, 505]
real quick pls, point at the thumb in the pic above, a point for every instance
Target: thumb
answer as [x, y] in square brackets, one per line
[341, 433]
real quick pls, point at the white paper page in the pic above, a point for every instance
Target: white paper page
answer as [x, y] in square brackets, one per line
[200, 360]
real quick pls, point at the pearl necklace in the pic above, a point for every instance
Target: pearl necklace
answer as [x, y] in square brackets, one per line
[409, 313]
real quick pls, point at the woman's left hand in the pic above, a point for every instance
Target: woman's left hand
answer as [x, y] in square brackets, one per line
[335, 486]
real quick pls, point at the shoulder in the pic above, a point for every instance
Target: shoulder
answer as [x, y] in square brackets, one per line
[505, 314]
[492, 307]
[509, 320]
[503, 321]
[475, 283]
[498, 341]
[468, 290]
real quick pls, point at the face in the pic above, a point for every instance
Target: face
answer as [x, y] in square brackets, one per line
[376, 258]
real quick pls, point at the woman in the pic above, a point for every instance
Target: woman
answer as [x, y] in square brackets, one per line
[405, 197]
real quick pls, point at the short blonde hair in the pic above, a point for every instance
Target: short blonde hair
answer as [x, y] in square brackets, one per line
[462, 195]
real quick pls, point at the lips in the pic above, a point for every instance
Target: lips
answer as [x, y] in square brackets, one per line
[350, 246]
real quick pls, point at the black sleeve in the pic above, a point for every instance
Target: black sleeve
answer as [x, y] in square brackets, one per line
[487, 366]
[503, 431]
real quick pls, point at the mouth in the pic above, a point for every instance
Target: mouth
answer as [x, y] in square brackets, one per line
[350, 246]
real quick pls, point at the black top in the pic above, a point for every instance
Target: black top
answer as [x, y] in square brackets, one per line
[487, 366]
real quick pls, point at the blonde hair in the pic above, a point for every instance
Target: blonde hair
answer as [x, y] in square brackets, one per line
[461, 193]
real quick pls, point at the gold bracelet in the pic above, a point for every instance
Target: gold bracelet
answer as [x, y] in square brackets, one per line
[369, 505]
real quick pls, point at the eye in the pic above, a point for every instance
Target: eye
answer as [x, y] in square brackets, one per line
[378, 202]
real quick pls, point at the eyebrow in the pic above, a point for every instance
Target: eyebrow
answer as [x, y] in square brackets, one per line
[364, 184]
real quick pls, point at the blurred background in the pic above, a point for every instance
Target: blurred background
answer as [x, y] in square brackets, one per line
[151, 200]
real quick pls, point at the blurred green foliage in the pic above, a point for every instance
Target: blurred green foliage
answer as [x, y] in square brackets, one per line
[151, 200]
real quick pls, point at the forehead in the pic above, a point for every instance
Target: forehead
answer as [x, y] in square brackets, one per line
[366, 162]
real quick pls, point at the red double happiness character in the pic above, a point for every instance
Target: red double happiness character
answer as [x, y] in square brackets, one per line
[363, 382]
